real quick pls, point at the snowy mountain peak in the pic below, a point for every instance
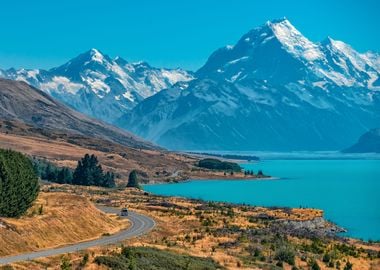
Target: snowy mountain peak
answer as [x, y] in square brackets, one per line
[273, 90]
[99, 86]
[294, 41]
[96, 55]
[279, 20]
[278, 53]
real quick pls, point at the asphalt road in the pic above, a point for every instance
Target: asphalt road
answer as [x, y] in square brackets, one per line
[140, 224]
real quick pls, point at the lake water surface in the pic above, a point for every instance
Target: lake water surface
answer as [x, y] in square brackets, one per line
[347, 190]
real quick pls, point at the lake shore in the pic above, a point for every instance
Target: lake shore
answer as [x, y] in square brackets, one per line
[308, 183]
[230, 233]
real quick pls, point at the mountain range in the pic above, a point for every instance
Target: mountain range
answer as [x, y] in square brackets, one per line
[273, 90]
[99, 86]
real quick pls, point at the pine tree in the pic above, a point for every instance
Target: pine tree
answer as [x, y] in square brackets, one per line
[109, 180]
[64, 176]
[18, 183]
[50, 173]
[90, 173]
[132, 180]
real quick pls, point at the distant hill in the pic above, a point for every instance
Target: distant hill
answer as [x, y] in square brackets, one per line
[369, 142]
[22, 103]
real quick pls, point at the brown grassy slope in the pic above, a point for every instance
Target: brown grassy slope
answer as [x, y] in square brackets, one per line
[120, 159]
[227, 239]
[156, 165]
[65, 219]
[25, 104]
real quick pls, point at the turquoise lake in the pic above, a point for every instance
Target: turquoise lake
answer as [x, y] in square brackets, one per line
[347, 190]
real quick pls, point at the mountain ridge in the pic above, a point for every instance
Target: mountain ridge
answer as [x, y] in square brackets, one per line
[97, 85]
[267, 92]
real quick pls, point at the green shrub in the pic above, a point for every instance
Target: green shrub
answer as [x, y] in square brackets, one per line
[84, 261]
[314, 265]
[348, 266]
[18, 183]
[113, 262]
[216, 164]
[145, 258]
[65, 263]
[285, 254]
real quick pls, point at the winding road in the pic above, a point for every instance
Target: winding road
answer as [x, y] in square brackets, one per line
[140, 224]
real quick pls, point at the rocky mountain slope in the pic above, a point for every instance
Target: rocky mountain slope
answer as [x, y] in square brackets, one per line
[369, 142]
[98, 86]
[22, 103]
[273, 90]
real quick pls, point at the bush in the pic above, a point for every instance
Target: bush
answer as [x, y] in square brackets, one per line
[113, 262]
[65, 263]
[326, 258]
[18, 183]
[348, 266]
[285, 254]
[144, 258]
[314, 265]
[216, 164]
[84, 261]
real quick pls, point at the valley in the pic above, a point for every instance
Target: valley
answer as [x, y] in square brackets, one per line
[263, 154]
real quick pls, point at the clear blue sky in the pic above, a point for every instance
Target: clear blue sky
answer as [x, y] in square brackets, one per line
[168, 33]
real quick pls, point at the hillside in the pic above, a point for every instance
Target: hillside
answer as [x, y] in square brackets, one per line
[273, 90]
[369, 142]
[24, 104]
[65, 218]
[152, 165]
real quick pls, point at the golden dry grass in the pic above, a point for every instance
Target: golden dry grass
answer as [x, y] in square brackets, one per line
[65, 218]
[175, 225]
[159, 166]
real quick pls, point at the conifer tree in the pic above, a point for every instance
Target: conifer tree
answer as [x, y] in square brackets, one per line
[18, 183]
[132, 180]
[90, 173]
[109, 180]
[64, 176]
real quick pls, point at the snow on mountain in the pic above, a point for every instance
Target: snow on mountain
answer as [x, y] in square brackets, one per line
[294, 41]
[273, 90]
[99, 86]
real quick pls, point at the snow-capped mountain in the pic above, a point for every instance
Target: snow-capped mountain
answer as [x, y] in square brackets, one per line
[273, 90]
[278, 52]
[99, 86]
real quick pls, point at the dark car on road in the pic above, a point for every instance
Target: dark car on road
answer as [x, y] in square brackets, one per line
[124, 212]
